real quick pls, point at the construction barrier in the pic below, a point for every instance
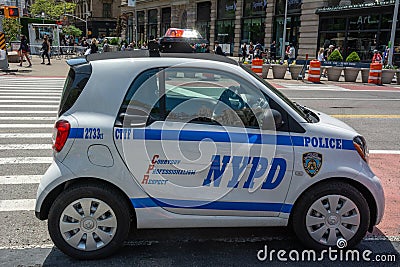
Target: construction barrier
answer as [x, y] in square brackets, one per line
[314, 72]
[3, 52]
[375, 73]
[256, 66]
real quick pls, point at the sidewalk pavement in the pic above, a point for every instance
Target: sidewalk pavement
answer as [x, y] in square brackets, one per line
[59, 68]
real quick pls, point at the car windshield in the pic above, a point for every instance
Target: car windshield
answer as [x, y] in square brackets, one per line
[299, 109]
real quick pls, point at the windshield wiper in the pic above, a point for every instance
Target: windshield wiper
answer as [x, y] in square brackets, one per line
[307, 113]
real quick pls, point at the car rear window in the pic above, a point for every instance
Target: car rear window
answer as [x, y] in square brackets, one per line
[76, 81]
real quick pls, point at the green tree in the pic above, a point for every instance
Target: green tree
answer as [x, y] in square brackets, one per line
[72, 30]
[51, 9]
[12, 28]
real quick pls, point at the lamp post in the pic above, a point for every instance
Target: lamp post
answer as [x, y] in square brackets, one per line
[284, 33]
[393, 33]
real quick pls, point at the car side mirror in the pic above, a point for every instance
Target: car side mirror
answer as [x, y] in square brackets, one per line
[272, 120]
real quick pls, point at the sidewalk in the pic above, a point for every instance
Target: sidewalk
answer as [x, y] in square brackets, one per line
[59, 68]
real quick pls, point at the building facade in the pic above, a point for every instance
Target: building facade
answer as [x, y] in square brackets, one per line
[101, 15]
[353, 25]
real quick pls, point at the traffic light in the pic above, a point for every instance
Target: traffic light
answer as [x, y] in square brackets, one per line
[11, 12]
[1, 11]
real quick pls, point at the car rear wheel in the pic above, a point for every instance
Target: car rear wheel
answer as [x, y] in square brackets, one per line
[89, 221]
[331, 214]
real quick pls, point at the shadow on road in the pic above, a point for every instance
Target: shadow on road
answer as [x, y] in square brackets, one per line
[228, 247]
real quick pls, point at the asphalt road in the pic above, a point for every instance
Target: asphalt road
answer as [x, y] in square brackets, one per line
[25, 242]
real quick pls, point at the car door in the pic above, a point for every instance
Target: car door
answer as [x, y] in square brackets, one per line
[191, 137]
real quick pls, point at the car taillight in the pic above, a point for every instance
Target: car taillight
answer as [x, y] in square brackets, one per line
[60, 134]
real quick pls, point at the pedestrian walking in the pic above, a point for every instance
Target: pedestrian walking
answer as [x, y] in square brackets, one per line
[24, 50]
[321, 58]
[244, 52]
[218, 49]
[251, 51]
[106, 46]
[272, 50]
[45, 49]
[291, 54]
[376, 58]
[93, 46]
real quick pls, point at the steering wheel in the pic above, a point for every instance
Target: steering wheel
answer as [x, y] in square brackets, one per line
[232, 99]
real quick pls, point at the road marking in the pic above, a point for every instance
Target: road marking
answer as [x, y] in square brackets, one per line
[20, 97]
[17, 204]
[29, 106]
[347, 98]
[20, 179]
[27, 118]
[26, 160]
[391, 152]
[28, 111]
[366, 116]
[5, 91]
[30, 93]
[25, 135]
[43, 246]
[27, 101]
[26, 125]
[25, 146]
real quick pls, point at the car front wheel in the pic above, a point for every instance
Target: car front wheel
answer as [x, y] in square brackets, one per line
[89, 221]
[331, 214]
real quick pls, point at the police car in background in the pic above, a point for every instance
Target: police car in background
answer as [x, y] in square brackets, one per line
[196, 140]
[177, 40]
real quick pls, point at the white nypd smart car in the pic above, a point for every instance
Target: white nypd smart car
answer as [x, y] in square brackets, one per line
[196, 140]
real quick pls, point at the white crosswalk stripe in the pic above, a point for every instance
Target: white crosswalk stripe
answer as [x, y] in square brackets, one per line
[25, 104]
[297, 86]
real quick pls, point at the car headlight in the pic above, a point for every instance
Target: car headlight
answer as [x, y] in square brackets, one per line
[361, 146]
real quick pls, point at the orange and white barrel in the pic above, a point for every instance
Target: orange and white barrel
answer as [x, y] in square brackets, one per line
[375, 73]
[314, 72]
[256, 66]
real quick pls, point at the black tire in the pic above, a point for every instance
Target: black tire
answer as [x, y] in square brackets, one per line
[305, 202]
[104, 193]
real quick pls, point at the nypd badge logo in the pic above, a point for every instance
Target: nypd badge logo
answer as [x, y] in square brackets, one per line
[312, 162]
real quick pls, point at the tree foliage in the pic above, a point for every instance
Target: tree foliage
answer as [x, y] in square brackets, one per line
[12, 28]
[51, 9]
[72, 30]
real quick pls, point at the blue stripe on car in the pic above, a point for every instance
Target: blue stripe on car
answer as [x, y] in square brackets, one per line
[140, 203]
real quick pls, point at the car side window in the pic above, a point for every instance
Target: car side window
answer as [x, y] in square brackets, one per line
[198, 95]
[194, 95]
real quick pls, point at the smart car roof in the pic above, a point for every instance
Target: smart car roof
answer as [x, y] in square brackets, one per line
[146, 53]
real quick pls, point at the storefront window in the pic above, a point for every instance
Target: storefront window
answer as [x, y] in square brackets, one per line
[363, 43]
[152, 25]
[203, 19]
[226, 9]
[294, 6]
[292, 32]
[140, 26]
[253, 30]
[370, 22]
[333, 24]
[225, 32]
[165, 19]
[254, 8]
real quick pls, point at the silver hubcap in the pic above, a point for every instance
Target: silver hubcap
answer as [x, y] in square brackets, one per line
[331, 218]
[88, 224]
